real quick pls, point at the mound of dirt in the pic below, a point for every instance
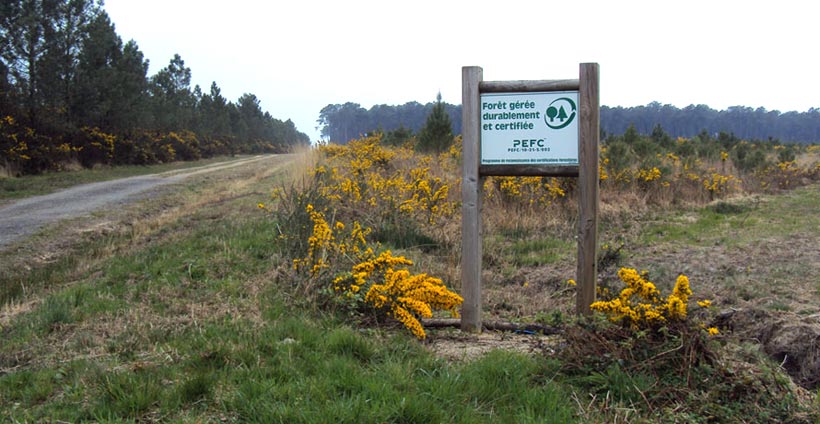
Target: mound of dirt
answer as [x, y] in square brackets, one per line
[791, 339]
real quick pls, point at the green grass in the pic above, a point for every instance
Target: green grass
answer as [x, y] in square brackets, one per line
[513, 249]
[188, 329]
[17, 188]
[738, 223]
[293, 369]
[14, 282]
[701, 227]
[535, 252]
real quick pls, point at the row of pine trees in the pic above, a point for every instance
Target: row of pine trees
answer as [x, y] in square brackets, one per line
[71, 91]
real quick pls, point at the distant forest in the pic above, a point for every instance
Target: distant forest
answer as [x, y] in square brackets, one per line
[72, 92]
[340, 123]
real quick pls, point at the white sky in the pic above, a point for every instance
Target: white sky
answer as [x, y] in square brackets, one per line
[297, 56]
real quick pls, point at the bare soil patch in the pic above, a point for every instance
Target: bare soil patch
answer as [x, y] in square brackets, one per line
[455, 345]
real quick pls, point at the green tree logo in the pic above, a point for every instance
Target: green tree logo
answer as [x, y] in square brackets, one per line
[556, 116]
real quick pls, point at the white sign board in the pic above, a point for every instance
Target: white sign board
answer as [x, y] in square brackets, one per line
[529, 128]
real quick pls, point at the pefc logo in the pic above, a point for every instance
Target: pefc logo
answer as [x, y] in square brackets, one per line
[560, 113]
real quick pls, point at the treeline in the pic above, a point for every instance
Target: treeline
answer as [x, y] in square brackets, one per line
[72, 92]
[743, 122]
[341, 123]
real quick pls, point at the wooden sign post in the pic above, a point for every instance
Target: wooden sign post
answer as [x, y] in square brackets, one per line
[529, 128]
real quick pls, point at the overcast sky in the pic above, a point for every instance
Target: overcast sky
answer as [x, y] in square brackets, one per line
[298, 56]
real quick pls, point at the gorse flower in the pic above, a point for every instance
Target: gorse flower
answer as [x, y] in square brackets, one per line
[718, 183]
[529, 191]
[640, 305]
[396, 292]
[407, 297]
[649, 175]
[388, 287]
[324, 242]
[362, 176]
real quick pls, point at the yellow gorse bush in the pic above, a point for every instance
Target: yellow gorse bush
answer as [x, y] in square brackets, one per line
[529, 191]
[649, 175]
[397, 293]
[718, 184]
[326, 242]
[374, 186]
[388, 289]
[406, 297]
[786, 174]
[362, 174]
[640, 304]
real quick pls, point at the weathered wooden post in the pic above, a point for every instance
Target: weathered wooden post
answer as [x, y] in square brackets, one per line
[471, 233]
[588, 180]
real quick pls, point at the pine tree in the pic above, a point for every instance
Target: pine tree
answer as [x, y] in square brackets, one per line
[96, 88]
[437, 133]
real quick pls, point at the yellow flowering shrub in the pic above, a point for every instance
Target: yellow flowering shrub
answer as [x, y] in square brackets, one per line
[388, 287]
[95, 146]
[640, 304]
[326, 242]
[785, 175]
[366, 175]
[724, 156]
[719, 184]
[384, 189]
[397, 293]
[602, 174]
[527, 191]
[649, 175]
[454, 152]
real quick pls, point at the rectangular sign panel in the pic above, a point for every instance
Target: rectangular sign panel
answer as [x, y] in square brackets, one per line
[529, 128]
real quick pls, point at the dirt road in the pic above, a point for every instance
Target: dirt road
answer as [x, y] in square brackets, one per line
[26, 216]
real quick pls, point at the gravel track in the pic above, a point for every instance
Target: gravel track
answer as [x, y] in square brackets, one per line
[26, 216]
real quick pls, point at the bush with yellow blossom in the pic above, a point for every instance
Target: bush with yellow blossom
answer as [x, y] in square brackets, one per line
[355, 192]
[380, 282]
[640, 304]
[393, 291]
